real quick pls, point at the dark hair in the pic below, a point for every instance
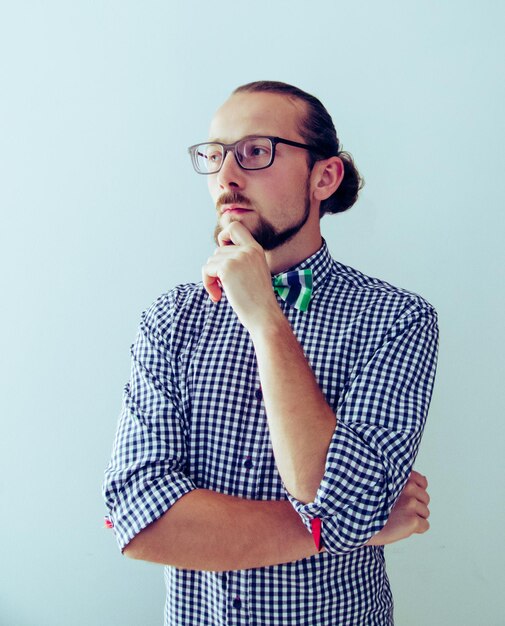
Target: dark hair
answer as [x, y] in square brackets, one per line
[317, 129]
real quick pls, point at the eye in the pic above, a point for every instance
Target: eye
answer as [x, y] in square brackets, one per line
[258, 151]
[213, 154]
[257, 148]
[208, 157]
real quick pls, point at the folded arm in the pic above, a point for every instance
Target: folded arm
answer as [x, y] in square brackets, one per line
[206, 530]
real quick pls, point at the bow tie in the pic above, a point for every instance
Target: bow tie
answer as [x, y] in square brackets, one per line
[294, 287]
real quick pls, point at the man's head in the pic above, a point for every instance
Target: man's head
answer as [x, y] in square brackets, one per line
[317, 129]
[278, 188]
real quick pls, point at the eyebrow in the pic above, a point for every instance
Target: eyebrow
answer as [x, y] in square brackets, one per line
[213, 140]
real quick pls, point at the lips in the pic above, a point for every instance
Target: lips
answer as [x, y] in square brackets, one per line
[234, 210]
[232, 202]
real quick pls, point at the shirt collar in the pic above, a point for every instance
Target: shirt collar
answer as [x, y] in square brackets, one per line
[320, 263]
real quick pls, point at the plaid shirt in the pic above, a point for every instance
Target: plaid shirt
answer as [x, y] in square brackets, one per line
[193, 417]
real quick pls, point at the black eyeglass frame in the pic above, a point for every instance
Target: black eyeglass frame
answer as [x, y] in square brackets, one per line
[233, 146]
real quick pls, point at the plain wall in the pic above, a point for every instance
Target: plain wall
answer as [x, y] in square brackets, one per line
[101, 212]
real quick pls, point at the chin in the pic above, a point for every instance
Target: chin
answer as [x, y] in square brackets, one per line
[228, 219]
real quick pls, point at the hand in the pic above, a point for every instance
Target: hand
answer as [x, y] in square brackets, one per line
[239, 267]
[409, 515]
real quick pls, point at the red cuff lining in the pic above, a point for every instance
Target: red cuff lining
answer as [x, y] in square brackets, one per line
[315, 525]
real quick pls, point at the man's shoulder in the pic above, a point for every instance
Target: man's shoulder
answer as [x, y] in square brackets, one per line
[180, 296]
[186, 301]
[351, 282]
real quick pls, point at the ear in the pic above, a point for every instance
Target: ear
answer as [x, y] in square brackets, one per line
[326, 177]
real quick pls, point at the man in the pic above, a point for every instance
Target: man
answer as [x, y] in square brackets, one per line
[267, 434]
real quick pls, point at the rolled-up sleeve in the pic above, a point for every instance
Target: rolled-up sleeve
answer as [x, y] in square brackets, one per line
[146, 474]
[380, 420]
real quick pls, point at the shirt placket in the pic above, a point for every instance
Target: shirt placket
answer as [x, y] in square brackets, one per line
[237, 598]
[250, 435]
[252, 459]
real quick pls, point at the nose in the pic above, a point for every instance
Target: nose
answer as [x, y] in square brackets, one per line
[231, 175]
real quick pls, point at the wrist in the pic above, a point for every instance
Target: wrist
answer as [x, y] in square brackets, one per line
[269, 326]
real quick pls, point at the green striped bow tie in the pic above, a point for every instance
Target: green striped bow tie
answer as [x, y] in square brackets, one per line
[294, 287]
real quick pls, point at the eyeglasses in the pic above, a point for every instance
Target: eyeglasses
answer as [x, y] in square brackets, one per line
[251, 153]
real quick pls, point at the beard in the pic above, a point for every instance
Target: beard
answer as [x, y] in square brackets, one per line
[267, 235]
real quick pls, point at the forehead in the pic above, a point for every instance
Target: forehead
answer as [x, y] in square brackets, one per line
[257, 114]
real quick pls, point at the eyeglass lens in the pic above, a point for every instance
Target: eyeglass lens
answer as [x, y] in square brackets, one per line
[253, 153]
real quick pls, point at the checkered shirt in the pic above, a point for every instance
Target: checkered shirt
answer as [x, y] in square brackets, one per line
[193, 417]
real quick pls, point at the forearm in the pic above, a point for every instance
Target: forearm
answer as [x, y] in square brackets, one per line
[300, 421]
[206, 530]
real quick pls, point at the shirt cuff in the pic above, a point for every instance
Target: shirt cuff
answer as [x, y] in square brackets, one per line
[351, 501]
[134, 511]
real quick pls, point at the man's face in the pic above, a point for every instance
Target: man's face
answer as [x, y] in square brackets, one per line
[273, 203]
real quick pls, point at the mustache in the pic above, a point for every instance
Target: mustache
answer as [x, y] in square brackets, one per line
[232, 197]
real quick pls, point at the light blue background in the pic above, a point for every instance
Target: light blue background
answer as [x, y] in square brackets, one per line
[101, 212]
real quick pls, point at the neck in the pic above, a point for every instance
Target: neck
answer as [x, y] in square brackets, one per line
[289, 254]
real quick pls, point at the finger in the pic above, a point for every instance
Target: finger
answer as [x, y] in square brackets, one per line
[413, 506]
[419, 479]
[226, 251]
[412, 490]
[422, 510]
[422, 526]
[235, 234]
[211, 283]
[423, 496]
[224, 239]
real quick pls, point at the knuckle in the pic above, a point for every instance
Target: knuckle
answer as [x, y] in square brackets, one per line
[233, 228]
[411, 504]
[423, 527]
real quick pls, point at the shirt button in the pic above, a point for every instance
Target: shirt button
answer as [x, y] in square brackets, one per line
[258, 394]
[237, 603]
[248, 463]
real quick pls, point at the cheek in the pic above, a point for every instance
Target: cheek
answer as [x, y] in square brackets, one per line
[291, 192]
[213, 187]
